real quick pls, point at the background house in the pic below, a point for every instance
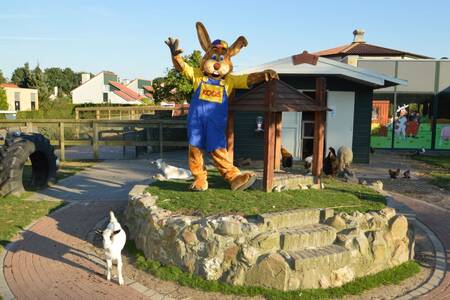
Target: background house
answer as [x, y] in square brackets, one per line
[411, 116]
[106, 88]
[20, 99]
[349, 95]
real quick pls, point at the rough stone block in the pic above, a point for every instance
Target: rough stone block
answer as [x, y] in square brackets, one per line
[332, 257]
[272, 272]
[398, 227]
[317, 235]
[291, 218]
[267, 241]
[137, 190]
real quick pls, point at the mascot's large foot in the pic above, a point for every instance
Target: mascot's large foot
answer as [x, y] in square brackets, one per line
[199, 185]
[243, 181]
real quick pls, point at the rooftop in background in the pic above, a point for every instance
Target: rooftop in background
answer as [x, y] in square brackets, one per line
[322, 66]
[361, 48]
[10, 85]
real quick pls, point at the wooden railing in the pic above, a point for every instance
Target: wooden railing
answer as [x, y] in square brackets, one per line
[96, 133]
[124, 112]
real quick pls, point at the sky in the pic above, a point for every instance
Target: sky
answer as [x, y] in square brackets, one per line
[127, 37]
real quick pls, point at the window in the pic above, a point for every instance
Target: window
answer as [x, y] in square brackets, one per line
[33, 105]
[17, 96]
[105, 97]
[17, 105]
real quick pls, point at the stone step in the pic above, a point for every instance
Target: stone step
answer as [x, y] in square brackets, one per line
[310, 236]
[295, 217]
[329, 257]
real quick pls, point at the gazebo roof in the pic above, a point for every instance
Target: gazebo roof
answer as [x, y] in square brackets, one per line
[283, 98]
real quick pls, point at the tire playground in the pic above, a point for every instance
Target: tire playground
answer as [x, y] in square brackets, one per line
[15, 153]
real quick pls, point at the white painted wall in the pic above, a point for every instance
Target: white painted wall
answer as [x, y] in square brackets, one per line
[339, 125]
[90, 92]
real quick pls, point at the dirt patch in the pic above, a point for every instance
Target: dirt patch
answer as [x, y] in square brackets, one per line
[418, 186]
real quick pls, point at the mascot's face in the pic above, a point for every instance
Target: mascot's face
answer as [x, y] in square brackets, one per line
[216, 62]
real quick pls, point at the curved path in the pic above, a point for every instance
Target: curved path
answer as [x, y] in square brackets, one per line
[49, 262]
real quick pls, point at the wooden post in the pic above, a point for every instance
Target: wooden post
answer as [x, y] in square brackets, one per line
[278, 127]
[109, 114]
[319, 130]
[62, 154]
[97, 114]
[95, 140]
[230, 136]
[269, 138]
[120, 115]
[160, 140]
[269, 147]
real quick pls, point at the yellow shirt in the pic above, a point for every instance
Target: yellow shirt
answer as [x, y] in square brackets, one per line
[195, 75]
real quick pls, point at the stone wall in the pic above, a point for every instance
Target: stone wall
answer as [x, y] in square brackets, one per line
[301, 248]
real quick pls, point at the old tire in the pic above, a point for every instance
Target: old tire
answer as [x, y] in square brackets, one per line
[13, 157]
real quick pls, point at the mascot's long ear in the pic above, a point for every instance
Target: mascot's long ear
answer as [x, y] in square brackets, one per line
[203, 36]
[240, 43]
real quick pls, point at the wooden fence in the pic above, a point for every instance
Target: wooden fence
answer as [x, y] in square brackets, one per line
[96, 133]
[125, 112]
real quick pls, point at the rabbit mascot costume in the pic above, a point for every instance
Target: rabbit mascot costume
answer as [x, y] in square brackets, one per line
[213, 83]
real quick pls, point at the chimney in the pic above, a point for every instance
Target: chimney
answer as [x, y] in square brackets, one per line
[358, 36]
[85, 77]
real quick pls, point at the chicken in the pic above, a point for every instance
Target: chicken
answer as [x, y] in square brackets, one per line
[407, 174]
[286, 158]
[394, 174]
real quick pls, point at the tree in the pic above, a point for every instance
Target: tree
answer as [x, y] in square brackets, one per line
[3, 100]
[174, 86]
[23, 77]
[2, 78]
[38, 80]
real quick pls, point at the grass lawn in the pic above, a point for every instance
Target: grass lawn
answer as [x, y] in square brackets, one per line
[16, 213]
[219, 199]
[172, 273]
[440, 177]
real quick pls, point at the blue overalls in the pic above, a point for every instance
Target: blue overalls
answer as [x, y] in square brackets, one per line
[207, 118]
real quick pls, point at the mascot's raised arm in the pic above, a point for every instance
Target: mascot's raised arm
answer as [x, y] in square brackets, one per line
[208, 111]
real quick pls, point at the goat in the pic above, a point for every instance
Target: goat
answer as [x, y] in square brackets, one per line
[308, 163]
[345, 158]
[171, 172]
[114, 239]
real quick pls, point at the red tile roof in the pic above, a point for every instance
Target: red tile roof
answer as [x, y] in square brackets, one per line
[148, 88]
[11, 85]
[124, 92]
[365, 49]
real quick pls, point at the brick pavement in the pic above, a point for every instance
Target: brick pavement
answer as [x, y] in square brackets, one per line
[438, 220]
[49, 261]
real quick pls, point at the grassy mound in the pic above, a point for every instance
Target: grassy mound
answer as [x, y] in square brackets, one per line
[219, 199]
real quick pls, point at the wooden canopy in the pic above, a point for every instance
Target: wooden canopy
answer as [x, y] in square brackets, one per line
[283, 98]
[273, 98]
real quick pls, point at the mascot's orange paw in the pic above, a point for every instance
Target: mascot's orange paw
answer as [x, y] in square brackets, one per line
[243, 181]
[199, 185]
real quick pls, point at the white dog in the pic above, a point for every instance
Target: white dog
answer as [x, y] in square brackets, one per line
[171, 172]
[114, 239]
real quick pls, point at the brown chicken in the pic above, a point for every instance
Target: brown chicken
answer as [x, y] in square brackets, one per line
[394, 174]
